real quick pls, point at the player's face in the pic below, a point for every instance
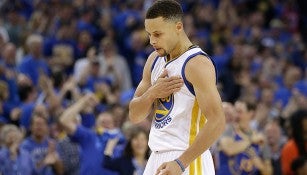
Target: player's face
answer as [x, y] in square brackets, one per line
[163, 35]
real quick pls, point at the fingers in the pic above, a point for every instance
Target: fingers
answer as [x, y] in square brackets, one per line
[175, 84]
[160, 170]
[174, 79]
[164, 74]
[163, 172]
[91, 99]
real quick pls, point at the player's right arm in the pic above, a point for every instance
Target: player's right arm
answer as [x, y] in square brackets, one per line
[142, 103]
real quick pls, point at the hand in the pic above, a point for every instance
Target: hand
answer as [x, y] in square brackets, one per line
[45, 83]
[14, 139]
[15, 114]
[52, 156]
[110, 146]
[257, 138]
[90, 100]
[165, 85]
[169, 168]
[70, 84]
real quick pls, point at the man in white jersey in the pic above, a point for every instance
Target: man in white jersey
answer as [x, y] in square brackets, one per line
[179, 90]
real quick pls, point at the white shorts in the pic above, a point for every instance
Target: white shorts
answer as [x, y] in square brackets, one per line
[201, 166]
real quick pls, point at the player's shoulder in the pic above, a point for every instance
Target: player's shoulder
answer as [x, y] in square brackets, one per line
[200, 60]
[200, 64]
[150, 60]
[152, 56]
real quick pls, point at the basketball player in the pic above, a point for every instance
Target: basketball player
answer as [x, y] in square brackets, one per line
[179, 88]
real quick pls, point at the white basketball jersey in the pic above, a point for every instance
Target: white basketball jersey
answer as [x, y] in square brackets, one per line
[177, 118]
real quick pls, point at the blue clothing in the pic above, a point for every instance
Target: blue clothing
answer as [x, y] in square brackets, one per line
[282, 95]
[85, 26]
[11, 82]
[22, 165]
[123, 165]
[51, 42]
[91, 152]
[32, 67]
[88, 120]
[38, 152]
[238, 164]
[93, 81]
[111, 134]
[26, 114]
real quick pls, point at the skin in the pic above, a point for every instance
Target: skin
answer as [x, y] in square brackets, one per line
[232, 147]
[169, 38]
[68, 119]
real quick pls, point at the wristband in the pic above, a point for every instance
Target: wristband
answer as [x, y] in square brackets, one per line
[180, 164]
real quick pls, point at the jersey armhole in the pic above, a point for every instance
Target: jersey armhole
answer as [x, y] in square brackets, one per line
[186, 82]
[153, 64]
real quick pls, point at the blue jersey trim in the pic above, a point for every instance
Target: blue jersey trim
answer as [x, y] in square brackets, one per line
[153, 64]
[186, 82]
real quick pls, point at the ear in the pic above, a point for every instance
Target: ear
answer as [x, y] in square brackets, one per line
[179, 26]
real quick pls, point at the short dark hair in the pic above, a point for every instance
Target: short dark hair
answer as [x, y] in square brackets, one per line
[298, 163]
[135, 132]
[24, 90]
[167, 9]
[296, 122]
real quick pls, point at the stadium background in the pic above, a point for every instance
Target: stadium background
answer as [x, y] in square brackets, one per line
[52, 52]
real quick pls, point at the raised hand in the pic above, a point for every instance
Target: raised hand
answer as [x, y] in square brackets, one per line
[90, 99]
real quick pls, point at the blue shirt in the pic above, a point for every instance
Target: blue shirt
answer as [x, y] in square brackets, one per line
[31, 67]
[26, 115]
[91, 153]
[240, 163]
[23, 164]
[38, 152]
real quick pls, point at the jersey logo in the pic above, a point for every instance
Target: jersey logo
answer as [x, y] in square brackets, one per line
[164, 107]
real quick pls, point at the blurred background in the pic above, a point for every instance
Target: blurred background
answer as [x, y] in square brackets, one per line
[53, 52]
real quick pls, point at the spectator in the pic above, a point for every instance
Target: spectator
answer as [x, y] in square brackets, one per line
[114, 65]
[296, 145]
[91, 156]
[41, 148]
[275, 140]
[10, 71]
[243, 149]
[13, 159]
[69, 152]
[135, 156]
[27, 95]
[33, 65]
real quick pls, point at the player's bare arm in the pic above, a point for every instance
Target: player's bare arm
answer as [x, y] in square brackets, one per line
[200, 72]
[142, 103]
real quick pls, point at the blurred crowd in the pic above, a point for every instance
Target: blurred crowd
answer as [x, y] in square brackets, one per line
[84, 58]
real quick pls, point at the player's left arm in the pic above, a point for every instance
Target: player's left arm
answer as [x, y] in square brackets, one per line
[201, 74]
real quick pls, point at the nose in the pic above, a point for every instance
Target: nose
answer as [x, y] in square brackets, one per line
[153, 41]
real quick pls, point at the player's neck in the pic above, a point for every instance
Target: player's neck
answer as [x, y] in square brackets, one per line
[180, 48]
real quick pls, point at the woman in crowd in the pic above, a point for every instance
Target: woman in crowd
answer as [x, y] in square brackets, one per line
[135, 155]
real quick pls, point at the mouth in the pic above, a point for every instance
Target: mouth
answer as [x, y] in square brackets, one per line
[158, 49]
